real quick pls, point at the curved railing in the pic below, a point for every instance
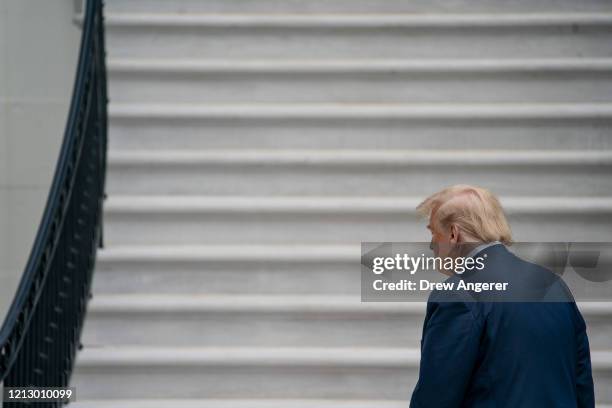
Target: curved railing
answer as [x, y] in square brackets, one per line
[41, 331]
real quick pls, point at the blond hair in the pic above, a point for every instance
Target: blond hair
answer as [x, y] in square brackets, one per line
[475, 210]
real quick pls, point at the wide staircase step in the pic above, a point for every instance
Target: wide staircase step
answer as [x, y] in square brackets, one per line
[250, 320]
[209, 81]
[145, 219]
[356, 6]
[259, 372]
[535, 35]
[358, 172]
[241, 403]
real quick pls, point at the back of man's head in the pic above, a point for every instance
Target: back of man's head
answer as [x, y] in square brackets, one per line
[475, 210]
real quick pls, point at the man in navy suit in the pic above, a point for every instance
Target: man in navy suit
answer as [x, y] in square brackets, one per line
[523, 347]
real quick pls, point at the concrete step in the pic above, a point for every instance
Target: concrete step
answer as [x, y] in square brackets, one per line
[251, 321]
[164, 132]
[361, 126]
[288, 320]
[285, 36]
[358, 172]
[360, 81]
[193, 372]
[248, 403]
[355, 6]
[379, 111]
[241, 403]
[252, 268]
[247, 219]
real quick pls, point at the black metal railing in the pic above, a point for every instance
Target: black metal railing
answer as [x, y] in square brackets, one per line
[40, 335]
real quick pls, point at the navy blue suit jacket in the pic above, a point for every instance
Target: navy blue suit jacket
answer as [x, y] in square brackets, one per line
[480, 353]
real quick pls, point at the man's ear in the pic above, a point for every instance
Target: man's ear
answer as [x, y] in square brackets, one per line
[454, 233]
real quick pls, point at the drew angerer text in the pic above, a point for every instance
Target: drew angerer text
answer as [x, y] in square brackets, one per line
[424, 284]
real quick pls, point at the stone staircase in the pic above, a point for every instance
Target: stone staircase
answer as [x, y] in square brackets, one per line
[254, 145]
